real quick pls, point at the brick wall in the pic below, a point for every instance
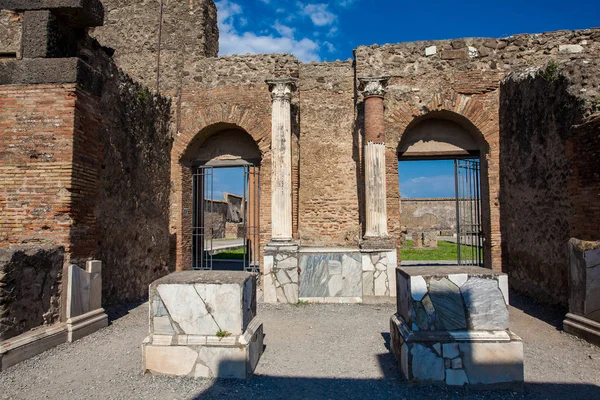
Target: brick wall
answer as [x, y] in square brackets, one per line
[329, 157]
[36, 175]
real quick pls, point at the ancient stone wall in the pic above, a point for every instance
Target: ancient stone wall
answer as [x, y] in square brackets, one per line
[133, 182]
[30, 286]
[134, 29]
[218, 94]
[429, 214]
[459, 80]
[549, 178]
[329, 156]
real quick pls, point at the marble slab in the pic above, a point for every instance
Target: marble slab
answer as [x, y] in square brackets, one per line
[330, 275]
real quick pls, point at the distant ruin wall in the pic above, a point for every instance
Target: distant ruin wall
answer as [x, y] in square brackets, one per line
[429, 215]
[550, 183]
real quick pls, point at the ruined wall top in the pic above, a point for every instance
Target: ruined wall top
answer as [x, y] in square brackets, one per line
[484, 54]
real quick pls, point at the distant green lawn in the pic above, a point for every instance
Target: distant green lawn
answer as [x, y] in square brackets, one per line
[237, 254]
[444, 251]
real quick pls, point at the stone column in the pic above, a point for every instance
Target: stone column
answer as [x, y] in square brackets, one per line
[373, 90]
[281, 150]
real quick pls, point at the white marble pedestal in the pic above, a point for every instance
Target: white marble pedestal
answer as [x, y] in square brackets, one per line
[203, 324]
[451, 327]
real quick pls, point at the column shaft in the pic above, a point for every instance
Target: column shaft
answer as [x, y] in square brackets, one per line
[281, 150]
[374, 156]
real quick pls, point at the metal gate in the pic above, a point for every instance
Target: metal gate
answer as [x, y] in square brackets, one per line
[204, 244]
[469, 236]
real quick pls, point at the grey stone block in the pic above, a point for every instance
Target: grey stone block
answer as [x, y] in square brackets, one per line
[46, 36]
[51, 70]
[77, 13]
[448, 305]
[485, 304]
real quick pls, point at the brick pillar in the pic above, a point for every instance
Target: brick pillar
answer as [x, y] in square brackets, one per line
[373, 90]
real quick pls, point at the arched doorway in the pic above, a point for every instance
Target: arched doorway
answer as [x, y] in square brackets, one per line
[449, 142]
[224, 164]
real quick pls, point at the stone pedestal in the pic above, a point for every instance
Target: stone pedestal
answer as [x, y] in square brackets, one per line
[203, 324]
[379, 272]
[451, 327]
[583, 318]
[280, 273]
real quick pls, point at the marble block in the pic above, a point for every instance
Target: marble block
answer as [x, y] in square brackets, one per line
[280, 273]
[583, 318]
[330, 274]
[85, 314]
[452, 298]
[451, 326]
[203, 324]
[379, 272]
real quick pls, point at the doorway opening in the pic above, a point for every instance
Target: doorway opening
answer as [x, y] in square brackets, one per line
[225, 218]
[440, 194]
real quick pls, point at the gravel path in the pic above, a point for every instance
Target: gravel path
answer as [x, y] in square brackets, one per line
[315, 351]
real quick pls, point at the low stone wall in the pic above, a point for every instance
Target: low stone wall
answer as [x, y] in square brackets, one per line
[428, 214]
[30, 285]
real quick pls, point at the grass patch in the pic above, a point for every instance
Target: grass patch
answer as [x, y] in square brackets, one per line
[222, 334]
[301, 303]
[444, 251]
[237, 254]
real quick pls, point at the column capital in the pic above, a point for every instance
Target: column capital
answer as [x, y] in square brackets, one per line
[373, 86]
[281, 88]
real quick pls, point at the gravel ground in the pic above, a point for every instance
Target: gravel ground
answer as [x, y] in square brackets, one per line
[312, 352]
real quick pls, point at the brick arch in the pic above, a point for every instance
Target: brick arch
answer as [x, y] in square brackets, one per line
[473, 110]
[478, 112]
[210, 118]
[206, 114]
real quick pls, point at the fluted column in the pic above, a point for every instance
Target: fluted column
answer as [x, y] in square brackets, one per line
[281, 150]
[373, 90]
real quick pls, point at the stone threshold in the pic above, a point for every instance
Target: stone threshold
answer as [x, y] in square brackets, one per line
[582, 327]
[36, 341]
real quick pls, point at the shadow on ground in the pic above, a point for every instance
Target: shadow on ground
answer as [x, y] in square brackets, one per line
[272, 387]
[390, 386]
[551, 315]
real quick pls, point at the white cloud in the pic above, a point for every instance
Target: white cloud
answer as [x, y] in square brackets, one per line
[233, 42]
[319, 14]
[329, 46]
[284, 30]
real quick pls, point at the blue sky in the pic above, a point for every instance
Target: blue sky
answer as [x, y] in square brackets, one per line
[330, 30]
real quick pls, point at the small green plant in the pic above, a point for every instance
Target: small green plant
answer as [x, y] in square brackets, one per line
[223, 334]
[550, 73]
[301, 303]
[143, 94]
